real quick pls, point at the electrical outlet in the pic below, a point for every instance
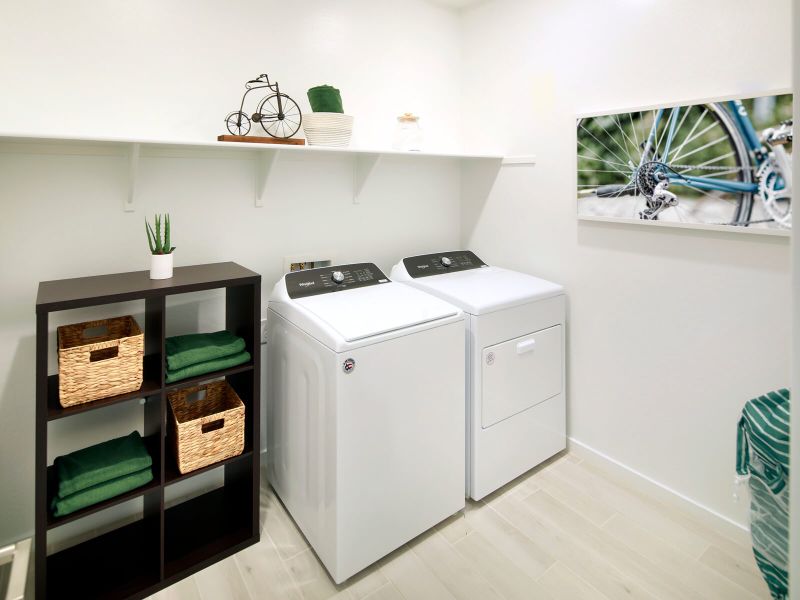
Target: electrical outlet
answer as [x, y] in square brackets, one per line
[264, 330]
[300, 262]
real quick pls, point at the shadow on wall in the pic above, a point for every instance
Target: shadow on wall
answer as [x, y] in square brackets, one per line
[714, 247]
[477, 181]
[17, 414]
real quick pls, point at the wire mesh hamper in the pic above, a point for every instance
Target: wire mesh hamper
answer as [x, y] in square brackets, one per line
[209, 429]
[98, 359]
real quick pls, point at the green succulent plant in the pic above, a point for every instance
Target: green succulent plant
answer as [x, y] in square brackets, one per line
[159, 245]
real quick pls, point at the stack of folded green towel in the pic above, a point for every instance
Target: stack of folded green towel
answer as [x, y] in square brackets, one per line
[201, 353]
[100, 472]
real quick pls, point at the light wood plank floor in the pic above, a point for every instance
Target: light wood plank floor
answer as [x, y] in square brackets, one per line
[567, 530]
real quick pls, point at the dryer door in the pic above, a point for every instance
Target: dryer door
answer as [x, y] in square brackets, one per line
[520, 373]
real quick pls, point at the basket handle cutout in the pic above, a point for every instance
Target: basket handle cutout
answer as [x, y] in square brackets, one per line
[103, 354]
[97, 331]
[195, 396]
[213, 425]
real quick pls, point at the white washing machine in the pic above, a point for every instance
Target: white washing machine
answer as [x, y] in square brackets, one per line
[516, 406]
[365, 411]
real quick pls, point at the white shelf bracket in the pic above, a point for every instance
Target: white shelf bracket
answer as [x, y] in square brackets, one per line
[265, 162]
[363, 166]
[133, 176]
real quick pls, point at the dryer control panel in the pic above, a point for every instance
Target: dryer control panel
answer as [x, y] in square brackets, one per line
[443, 262]
[325, 280]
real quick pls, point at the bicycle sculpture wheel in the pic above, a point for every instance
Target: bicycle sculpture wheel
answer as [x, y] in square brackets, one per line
[278, 115]
[703, 163]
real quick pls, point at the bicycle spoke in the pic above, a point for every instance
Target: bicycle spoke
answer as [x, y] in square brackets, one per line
[633, 129]
[697, 135]
[603, 145]
[602, 160]
[703, 147]
[697, 167]
[625, 137]
[655, 134]
[694, 128]
[613, 139]
[678, 128]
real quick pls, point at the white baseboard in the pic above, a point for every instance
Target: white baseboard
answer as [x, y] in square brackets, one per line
[728, 525]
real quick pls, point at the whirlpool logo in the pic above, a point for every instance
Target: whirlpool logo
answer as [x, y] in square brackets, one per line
[348, 365]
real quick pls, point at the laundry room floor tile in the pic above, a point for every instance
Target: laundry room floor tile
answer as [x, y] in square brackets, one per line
[569, 529]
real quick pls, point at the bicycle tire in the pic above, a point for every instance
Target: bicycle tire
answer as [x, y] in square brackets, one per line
[238, 123]
[280, 126]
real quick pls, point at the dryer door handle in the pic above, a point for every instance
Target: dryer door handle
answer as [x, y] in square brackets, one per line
[526, 346]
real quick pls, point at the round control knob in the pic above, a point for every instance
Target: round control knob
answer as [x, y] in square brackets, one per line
[446, 262]
[337, 276]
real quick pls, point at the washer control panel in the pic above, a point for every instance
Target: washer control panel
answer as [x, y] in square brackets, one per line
[325, 280]
[443, 262]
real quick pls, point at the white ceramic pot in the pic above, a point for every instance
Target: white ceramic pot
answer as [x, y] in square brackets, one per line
[160, 266]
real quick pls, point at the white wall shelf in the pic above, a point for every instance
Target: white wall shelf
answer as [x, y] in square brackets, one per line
[365, 159]
[233, 146]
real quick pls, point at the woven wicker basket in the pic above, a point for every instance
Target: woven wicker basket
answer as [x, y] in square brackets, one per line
[206, 430]
[98, 359]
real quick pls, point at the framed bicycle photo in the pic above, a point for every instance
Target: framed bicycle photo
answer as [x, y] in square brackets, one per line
[715, 165]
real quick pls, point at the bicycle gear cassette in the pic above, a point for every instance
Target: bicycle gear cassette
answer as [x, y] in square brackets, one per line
[646, 180]
[777, 202]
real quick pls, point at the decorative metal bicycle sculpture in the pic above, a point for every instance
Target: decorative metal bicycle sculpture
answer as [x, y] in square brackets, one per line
[702, 163]
[277, 113]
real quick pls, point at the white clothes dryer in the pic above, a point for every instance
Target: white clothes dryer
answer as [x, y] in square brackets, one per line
[515, 347]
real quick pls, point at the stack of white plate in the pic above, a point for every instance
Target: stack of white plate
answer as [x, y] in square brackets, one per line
[327, 129]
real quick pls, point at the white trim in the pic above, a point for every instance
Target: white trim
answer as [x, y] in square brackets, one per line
[660, 485]
[779, 233]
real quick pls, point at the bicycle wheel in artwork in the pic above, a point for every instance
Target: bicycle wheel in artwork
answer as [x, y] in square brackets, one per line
[723, 164]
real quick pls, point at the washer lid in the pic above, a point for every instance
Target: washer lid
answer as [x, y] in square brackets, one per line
[368, 311]
[487, 289]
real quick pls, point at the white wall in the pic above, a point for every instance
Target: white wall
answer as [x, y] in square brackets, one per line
[173, 71]
[670, 331]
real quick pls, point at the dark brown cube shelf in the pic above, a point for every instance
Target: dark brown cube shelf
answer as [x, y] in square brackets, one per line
[165, 544]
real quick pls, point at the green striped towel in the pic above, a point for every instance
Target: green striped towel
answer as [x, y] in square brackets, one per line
[762, 452]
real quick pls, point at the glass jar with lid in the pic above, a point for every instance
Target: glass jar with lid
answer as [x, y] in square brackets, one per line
[407, 133]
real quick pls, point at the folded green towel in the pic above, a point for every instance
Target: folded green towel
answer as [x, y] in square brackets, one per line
[208, 367]
[97, 464]
[103, 491]
[325, 98]
[186, 350]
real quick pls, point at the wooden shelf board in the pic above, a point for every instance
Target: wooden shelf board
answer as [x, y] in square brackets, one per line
[151, 385]
[172, 475]
[118, 564]
[190, 381]
[64, 294]
[151, 442]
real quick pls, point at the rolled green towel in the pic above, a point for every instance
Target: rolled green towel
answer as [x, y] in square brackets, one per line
[325, 98]
[100, 463]
[186, 350]
[209, 366]
[103, 491]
